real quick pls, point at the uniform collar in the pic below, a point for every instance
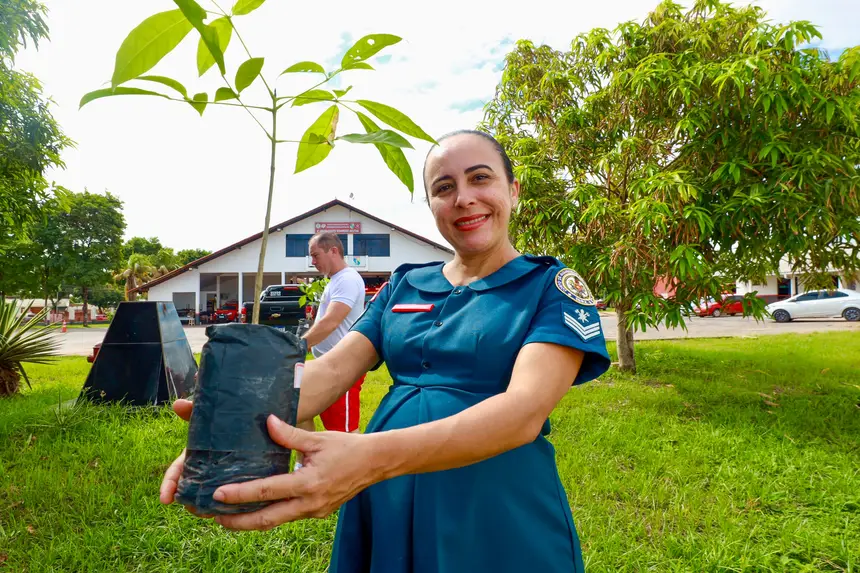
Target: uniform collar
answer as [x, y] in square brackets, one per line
[431, 279]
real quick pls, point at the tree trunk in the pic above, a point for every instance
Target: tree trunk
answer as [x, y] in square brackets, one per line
[85, 293]
[45, 292]
[258, 280]
[10, 381]
[626, 352]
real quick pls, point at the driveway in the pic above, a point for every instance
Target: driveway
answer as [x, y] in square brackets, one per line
[80, 341]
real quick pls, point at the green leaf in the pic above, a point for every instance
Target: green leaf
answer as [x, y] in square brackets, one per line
[148, 43]
[395, 119]
[358, 66]
[243, 7]
[222, 94]
[193, 11]
[304, 67]
[107, 92]
[384, 136]
[195, 14]
[310, 154]
[341, 93]
[313, 96]
[199, 102]
[394, 158]
[169, 82]
[224, 30]
[367, 47]
[247, 73]
[831, 107]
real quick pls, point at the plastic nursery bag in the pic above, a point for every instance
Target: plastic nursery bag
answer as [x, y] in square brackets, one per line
[247, 372]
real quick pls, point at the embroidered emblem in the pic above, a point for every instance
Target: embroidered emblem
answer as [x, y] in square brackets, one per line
[571, 284]
[586, 333]
[582, 315]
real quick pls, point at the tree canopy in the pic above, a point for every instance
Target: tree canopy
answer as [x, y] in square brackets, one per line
[698, 147]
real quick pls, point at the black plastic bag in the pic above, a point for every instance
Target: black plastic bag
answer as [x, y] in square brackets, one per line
[247, 372]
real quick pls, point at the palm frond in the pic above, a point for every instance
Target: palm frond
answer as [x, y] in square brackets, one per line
[25, 341]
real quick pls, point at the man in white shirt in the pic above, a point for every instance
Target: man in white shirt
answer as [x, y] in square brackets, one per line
[341, 305]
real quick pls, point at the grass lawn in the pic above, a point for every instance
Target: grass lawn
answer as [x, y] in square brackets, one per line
[720, 455]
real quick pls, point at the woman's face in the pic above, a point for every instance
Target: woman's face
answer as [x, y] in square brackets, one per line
[469, 193]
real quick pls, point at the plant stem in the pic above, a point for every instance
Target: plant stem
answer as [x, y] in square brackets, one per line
[258, 280]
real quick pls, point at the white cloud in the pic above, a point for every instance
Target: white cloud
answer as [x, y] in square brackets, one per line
[202, 182]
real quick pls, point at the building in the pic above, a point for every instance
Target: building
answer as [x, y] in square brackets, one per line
[789, 283]
[375, 248]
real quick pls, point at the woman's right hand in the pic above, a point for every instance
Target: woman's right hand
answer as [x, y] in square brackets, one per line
[182, 408]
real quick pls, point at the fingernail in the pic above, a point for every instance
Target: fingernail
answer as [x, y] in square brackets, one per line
[218, 495]
[277, 421]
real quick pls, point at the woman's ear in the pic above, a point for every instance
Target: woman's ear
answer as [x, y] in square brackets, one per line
[515, 194]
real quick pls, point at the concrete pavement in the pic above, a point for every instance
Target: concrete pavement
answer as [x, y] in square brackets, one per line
[80, 341]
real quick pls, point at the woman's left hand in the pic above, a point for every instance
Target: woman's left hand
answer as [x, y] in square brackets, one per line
[336, 467]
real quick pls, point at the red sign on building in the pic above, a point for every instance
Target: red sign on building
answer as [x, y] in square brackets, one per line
[345, 227]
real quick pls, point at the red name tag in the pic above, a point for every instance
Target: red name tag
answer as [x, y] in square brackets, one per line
[412, 308]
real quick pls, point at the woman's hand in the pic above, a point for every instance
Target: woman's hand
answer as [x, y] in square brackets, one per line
[170, 482]
[336, 467]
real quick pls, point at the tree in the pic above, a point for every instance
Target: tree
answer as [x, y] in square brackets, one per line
[30, 139]
[186, 256]
[698, 147]
[141, 246]
[91, 243]
[159, 34]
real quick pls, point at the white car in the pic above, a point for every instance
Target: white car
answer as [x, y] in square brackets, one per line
[818, 304]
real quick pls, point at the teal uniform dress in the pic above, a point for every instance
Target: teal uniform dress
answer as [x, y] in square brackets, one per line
[448, 348]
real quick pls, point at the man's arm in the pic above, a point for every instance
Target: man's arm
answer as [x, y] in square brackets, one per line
[334, 315]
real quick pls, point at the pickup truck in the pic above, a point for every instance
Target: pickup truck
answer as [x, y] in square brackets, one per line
[279, 307]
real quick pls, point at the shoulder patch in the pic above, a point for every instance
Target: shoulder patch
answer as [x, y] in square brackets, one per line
[572, 285]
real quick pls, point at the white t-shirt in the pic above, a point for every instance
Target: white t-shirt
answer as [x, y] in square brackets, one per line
[346, 286]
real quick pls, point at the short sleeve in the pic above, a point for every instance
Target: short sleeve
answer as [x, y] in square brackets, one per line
[370, 322]
[348, 291]
[569, 318]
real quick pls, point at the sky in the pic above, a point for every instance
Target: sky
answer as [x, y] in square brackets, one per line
[202, 182]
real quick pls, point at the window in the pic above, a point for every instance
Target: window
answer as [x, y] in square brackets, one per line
[372, 245]
[808, 296]
[836, 294]
[297, 245]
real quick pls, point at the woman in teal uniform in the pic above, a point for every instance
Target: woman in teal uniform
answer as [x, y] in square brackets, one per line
[455, 473]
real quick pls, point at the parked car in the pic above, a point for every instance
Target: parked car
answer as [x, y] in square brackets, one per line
[228, 312]
[818, 304]
[279, 307]
[731, 304]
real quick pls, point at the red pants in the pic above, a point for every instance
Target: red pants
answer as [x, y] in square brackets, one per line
[343, 415]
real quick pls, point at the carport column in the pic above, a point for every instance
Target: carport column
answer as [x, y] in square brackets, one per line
[217, 291]
[240, 290]
[197, 301]
[283, 277]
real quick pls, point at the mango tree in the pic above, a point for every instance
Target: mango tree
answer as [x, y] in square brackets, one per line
[696, 148]
[157, 36]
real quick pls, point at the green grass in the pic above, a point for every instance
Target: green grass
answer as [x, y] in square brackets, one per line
[721, 455]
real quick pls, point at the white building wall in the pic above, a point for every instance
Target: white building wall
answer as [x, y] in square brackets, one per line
[188, 281]
[403, 249]
[772, 286]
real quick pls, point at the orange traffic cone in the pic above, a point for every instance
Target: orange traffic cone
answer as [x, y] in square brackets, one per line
[64, 325]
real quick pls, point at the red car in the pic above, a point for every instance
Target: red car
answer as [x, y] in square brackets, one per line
[731, 304]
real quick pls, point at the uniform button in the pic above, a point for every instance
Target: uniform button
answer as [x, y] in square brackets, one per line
[438, 323]
[457, 291]
[425, 365]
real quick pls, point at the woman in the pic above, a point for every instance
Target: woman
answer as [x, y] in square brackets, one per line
[454, 473]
